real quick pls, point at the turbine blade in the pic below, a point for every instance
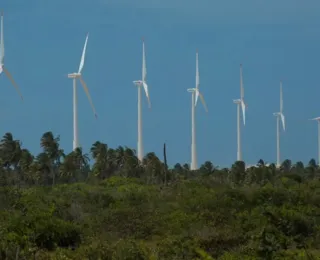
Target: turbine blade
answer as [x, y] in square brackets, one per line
[243, 108]
[88, 95]
[203, 102]
[83, 54]
[12, 81]
[144, 65]
[197, 71]
[1, 41]
[281, 98]
[283, 121]
[241, 84]
[197, 96]
[145, 86]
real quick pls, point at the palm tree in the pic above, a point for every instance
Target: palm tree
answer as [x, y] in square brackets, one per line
[286, 166]
[44, 165]
[99, 152]
[207, 168]
[81, 159]
[311, 169]
[25, 162]
[131, 163]
[153, 167]
[75, 164]
[261, 163]
[50, 146]
[10, 151]
[178, 168]
[119, 157]
[68, 167]
[312, 163]
[238, 172]
[186, 167]
[125, 162]
[299, 167]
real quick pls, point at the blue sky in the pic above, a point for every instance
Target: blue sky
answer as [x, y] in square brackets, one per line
[272, 39]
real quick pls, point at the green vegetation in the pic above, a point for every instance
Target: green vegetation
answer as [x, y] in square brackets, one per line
[55, 206]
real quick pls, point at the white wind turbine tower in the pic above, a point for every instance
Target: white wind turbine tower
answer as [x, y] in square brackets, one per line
[280, 116]
[240, 106]
[141, 83]
[2, 67]
[74, 76]
[195, 95]
[318, 120]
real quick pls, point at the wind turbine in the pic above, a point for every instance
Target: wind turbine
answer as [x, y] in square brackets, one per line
[280, 116]
[141, 83]
[240, 106]
[318, 119]
[74, 76]
[2, 67]
[195, 95]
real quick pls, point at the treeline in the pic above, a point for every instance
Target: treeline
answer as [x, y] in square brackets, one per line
[55, 206]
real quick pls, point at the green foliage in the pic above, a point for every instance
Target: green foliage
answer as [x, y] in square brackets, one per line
[57, 206]
[203, 255]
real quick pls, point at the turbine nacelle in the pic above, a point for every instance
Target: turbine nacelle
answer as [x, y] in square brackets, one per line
[191, 90]
[74, 75]
[138, 83]
[237, 101]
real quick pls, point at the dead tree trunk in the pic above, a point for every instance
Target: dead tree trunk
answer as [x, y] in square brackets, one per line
[165, 164]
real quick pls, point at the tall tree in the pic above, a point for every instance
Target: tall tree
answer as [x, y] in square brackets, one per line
[10, 151]
[75, 165]
[50, 146]
[101, 167]
[25, 163]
